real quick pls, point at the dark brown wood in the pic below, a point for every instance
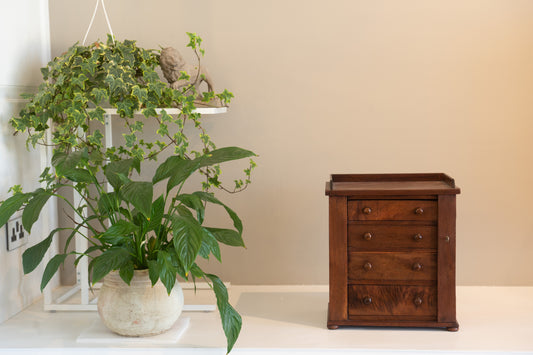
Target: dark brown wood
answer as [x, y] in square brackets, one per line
[446, 258]
[397, 301]
[392, 236]
[405, 266]
[386, 184]
[396, 238]
[338, 259]
[387, 210]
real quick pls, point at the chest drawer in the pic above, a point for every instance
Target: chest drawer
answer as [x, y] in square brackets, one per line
[390, 210]
[376, 237]
[405, 266]
[396, 301]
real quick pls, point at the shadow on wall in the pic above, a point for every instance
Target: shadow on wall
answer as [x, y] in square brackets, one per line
[292, 307]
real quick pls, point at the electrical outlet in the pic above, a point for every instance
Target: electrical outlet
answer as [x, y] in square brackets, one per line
[15, 234]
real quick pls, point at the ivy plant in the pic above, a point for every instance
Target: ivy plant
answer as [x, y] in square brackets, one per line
[132, 225]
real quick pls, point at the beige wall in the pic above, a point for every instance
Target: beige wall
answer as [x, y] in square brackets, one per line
[357, 86]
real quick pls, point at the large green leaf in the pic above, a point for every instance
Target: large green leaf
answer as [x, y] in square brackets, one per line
[64, 162]
[126, 272]
[51, 268]
[80, 175]
[108, 203]
[33, 208]
[157, 213]
[108, 261]
[153, 271]
[187, 238]
[167, 272]
[33, 256]
[209, 197]
[209, 245]
[227, 236]
[222, 155]
[194, 202]
[169, 167]
[139, 194]
[11, 205]
[119, 232]
[231, 320]
[189, 167]
[113, 170]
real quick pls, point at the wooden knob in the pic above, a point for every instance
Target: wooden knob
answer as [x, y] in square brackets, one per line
[367, 266]
[367, 210]
[418, 301]
[417, 237]
[417, 267]
[419, 210]
[367, 300]
[367, 236]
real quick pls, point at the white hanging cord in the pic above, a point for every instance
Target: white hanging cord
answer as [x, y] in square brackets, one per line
[92, 20]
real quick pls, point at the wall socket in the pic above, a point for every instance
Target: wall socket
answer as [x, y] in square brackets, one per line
[15, 234]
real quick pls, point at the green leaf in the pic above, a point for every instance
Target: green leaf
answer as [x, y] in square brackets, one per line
[126, 272]
[195, 203]
[64, 162]
[172, 165]
[167, 272]
[210, 241]
[209, 197]
[231, 320]
[139, 194]
[114, 168]
[51, 269]
[97, 114]
[108, 203]
[118, 232]
[33, 256]
[99, 96]
[227, 236]
[153, 271]
[80, 175]
[156, 216]
[221, 155]
[108, 261]
[11, 205]
[33, 208]
[187, 238]
[181, 175]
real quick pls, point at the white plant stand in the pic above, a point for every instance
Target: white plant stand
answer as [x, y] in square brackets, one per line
[86, 303]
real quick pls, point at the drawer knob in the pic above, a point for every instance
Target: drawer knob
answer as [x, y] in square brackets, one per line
[367, 300]
[367, 266]
[367, 210]
[417, 267]
[418, 301]
[418, 237]
[367, 236]
[419, 210]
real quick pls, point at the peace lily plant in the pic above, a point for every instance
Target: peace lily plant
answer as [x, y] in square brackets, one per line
[131, 226]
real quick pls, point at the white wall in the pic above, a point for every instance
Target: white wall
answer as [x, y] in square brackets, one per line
[357, 86]
[25, 48]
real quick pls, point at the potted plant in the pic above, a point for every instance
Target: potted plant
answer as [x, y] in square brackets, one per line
[133, 228]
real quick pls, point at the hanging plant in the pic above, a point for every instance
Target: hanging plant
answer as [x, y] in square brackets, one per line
[133, 226]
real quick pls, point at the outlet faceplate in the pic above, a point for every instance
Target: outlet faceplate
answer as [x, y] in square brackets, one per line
[15, 234]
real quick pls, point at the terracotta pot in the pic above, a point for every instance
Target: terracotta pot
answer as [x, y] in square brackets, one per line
[138, 309]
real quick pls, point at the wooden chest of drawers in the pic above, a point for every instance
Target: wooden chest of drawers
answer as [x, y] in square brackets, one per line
[392, 250]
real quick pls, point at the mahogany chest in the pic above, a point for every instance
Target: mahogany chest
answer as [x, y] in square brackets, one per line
[392, 250]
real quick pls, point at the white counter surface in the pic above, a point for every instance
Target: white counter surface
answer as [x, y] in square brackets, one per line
[292, 320]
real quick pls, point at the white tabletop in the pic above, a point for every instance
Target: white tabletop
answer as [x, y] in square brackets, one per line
[292, 320]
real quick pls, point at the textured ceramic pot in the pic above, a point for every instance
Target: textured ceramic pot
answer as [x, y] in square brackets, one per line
[138, 309]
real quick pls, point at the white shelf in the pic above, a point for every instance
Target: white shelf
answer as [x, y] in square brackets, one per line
[175, 111]
[292, 320]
